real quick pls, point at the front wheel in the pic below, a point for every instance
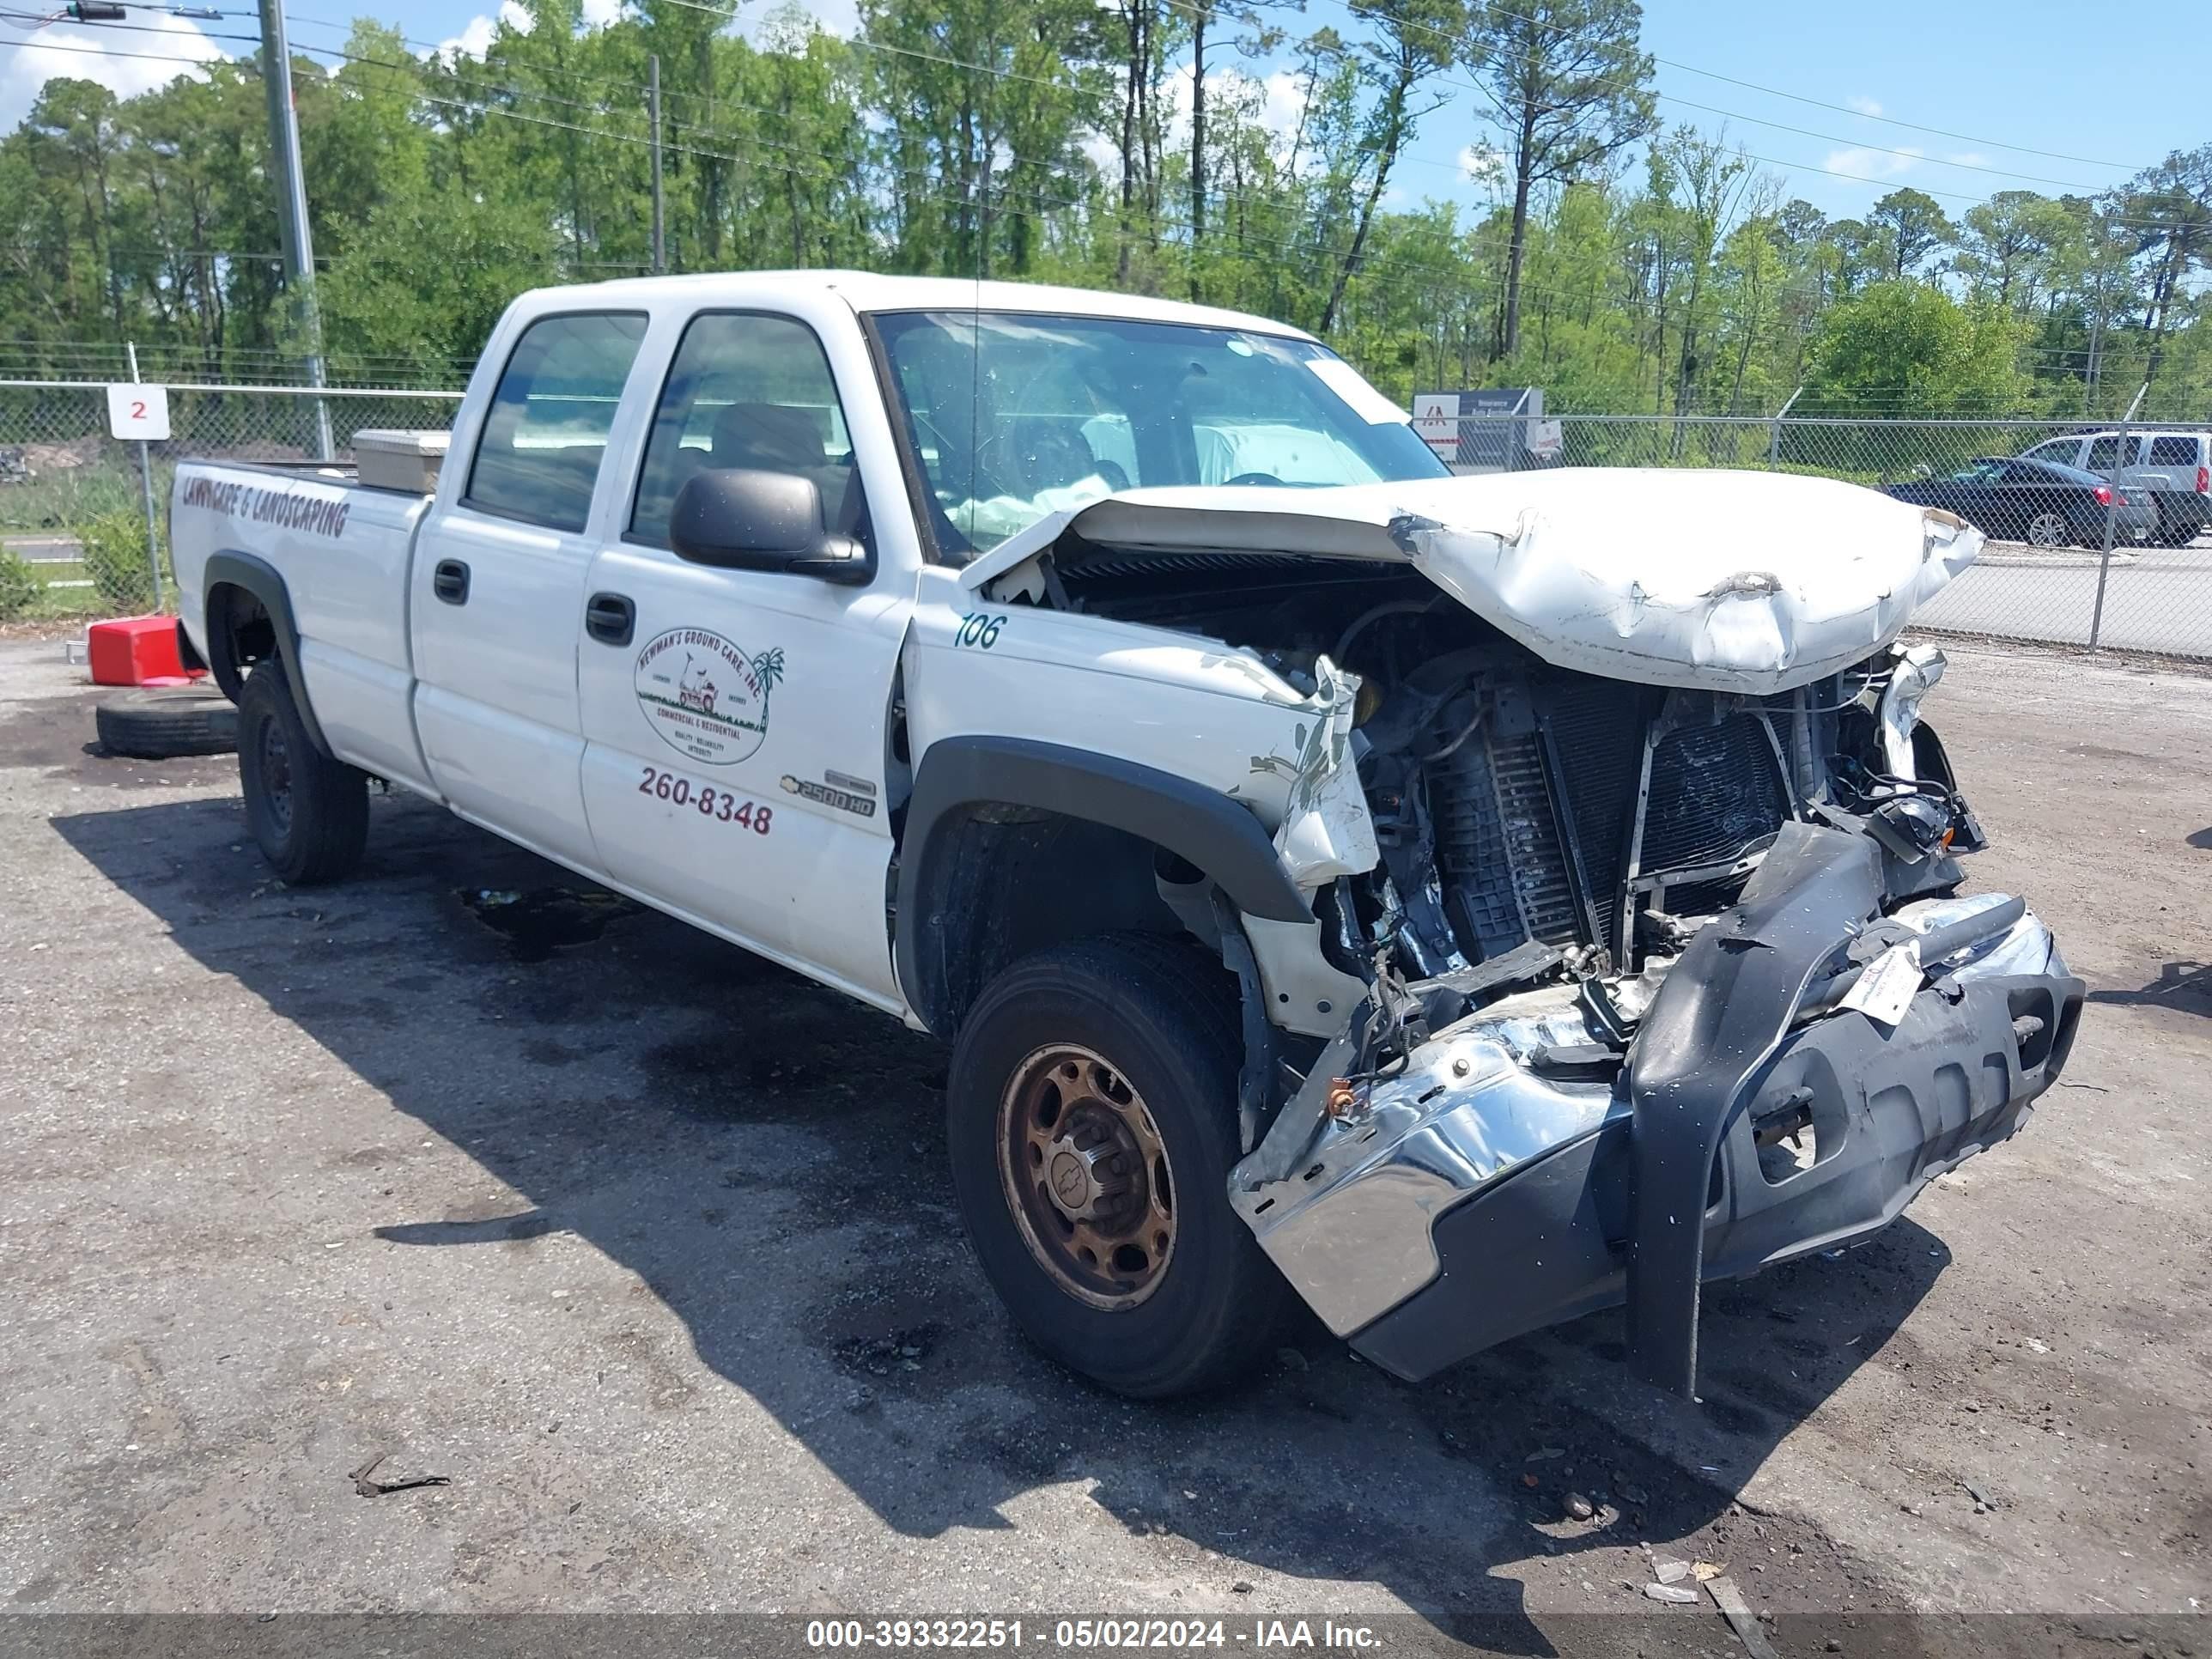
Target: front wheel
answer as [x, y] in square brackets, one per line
[1091, 1115]
[309, 811]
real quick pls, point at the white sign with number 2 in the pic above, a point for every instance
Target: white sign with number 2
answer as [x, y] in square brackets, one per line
[138, 411]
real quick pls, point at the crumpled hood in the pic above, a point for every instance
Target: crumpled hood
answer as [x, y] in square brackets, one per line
[1743, 581]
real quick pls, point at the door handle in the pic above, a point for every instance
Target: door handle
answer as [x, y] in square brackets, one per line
[450, 581]
[609, 618]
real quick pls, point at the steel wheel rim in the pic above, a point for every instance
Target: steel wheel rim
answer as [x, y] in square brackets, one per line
[276, 776]
[1085, 1173]
[2047, 529]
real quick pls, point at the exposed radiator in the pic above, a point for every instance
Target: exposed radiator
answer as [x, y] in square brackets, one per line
[1716, 792]
[1499, 849]
[1513, 871]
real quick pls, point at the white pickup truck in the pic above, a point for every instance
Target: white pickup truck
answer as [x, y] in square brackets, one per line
[1468, 902]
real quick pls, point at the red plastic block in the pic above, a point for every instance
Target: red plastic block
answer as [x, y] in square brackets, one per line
[134, 651]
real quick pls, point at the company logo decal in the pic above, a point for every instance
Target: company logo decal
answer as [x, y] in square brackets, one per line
[705, 696]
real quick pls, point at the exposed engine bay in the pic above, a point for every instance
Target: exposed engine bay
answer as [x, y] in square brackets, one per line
[1518, 805]
[1659, 976]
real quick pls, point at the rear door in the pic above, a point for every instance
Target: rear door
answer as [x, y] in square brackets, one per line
[736, 768]
[497, 587]
[2105, 459]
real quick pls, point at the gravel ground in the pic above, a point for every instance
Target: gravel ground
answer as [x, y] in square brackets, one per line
[649, 1249]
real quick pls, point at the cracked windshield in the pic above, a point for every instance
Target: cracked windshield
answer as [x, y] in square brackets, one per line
[1016, 416]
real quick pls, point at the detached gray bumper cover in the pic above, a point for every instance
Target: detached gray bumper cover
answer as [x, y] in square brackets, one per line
[1642, 1197]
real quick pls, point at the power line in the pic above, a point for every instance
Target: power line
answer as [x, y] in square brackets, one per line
[1371, 274]
[1355, 9]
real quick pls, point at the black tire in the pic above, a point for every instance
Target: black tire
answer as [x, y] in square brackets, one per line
[1166, 1018]
[309, 812]
[162, 723]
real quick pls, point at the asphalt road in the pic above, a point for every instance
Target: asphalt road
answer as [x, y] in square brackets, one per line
[649, 1249]
[2157, 599]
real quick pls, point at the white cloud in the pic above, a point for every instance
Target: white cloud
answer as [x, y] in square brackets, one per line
[478, 33]
[1482, 164]
[597, 13]
[765, 26]
[1864, 106]
[1277, 102]
[88, 55]
[1105, 154]
[1874, 165]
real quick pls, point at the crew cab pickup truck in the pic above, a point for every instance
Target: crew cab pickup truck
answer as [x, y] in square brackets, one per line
[1463, 902]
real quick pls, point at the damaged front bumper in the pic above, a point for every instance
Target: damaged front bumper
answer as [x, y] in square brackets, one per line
[1498, 1183]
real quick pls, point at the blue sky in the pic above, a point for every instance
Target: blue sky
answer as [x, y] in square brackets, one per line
[1995, 75]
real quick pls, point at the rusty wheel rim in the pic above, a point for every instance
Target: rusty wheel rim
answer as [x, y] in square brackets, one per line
[1085, 1173]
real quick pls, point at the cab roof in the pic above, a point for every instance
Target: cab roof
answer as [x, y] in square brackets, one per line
[868, 292]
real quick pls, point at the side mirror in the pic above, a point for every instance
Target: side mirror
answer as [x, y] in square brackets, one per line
[737, 519]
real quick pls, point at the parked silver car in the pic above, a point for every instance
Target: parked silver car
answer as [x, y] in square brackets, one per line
[2174, 469]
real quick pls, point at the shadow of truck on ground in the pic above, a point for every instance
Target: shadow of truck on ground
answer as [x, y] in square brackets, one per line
[768, 1157]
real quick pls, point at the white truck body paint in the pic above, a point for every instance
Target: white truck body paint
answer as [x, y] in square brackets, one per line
[405, 689]
[1152, 695]
[349, 592]
[1741, 581]
[1679, 578]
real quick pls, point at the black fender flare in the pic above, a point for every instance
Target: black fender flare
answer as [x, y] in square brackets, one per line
[253, 574]
[1211, 831]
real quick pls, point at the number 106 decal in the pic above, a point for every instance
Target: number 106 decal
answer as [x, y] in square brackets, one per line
[718, 804]
[978, 628]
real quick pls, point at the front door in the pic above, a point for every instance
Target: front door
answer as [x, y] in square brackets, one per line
[497, 587]
[736, 722]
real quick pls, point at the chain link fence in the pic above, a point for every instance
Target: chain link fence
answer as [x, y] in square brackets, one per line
[74, 535]
[75, 539]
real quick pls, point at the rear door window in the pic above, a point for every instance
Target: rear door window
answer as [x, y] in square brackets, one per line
[546, 433]
[2103, 454]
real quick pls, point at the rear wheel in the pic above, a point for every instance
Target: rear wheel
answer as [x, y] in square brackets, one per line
[309, 811]
[2049, 529]
[1091, 1109]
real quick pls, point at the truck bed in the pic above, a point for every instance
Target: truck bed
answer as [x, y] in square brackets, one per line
[342, 548]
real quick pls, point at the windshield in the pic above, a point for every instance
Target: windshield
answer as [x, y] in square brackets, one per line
[1011, 416]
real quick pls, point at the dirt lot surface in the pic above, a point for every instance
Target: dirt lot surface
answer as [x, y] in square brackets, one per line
[649, 1249]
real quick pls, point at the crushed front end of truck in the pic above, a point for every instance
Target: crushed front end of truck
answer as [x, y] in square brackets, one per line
[1463, 1167]
[1639, 863]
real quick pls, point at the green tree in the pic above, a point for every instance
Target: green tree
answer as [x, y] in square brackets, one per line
[1412, 43]
[2010, 244]
[1571, 88]
[1908, 348]
[1915, 226]
[2171, 208]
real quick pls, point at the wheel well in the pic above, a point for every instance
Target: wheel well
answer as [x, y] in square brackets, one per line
[1004, 881]
[239, 633]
